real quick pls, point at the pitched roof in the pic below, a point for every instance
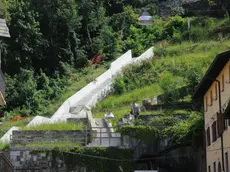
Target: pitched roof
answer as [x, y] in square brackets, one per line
[213, 71]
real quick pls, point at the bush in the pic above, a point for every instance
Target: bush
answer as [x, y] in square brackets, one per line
[168, 83]
[119, 86]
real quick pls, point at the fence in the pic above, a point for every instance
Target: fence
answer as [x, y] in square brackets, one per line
[103, 136]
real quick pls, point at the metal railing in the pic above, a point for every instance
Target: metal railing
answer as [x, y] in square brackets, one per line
[105, 136]
[5, 164]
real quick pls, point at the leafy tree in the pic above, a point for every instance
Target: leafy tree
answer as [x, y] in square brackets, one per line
[26, 40]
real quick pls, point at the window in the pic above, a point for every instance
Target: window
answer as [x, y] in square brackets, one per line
[219, 125]
[229, 74]
[208, 137]
[209, 168]
[226, 160]
[219, 167]
[226, 122]
[216, 91]
[211, 98]
[214, 167]
[223, 82]
[206, 103]
[214, 133]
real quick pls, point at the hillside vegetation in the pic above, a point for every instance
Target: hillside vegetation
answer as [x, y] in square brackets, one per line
[174, 66]
[58, 38]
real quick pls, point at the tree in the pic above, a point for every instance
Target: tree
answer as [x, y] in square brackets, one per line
[26, 39]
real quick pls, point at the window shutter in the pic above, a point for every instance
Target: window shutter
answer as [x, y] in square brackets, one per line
[214, 131]
[208, 137]
[219, 124]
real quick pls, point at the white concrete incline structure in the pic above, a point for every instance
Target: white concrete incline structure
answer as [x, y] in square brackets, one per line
[74, 106]
[7, 136]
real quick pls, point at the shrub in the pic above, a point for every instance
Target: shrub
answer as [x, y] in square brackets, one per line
[119, 86]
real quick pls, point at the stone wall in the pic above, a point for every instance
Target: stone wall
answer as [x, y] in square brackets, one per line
[23, 160]
[36, 137]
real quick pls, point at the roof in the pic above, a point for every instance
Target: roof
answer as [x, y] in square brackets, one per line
[4, 31]
[213, 71]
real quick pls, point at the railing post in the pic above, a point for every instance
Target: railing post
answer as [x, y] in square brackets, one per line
[100, 135]
[109, 135]
[86, 136]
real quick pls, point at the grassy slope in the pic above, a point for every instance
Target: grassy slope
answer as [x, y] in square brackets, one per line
[56, 126]
[185, 54]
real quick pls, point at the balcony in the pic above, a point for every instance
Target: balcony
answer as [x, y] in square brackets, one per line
[2, 89]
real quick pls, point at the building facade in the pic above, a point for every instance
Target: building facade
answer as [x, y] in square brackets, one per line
[217, 122]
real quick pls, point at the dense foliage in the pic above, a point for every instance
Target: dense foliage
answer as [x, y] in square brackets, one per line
[106, 159]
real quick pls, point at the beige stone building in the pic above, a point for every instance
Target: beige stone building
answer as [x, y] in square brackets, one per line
[216, 126]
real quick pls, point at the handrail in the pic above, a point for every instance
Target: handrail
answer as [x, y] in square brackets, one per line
[8, 162]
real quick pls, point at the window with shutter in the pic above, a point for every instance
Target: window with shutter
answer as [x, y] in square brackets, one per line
[211, 98]
[208, 137]
[228, 73]
[226, 160]
[214, 127]
[206, 103]
[223, 82]
[216, 91]
[226, 124]
[219, 125]
[214, 167]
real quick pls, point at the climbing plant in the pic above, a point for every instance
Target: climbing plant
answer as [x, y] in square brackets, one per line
[100, 159]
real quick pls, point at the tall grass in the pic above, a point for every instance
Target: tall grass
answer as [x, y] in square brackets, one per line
[126, 99]
[56, 126]
[4, 146]
[6, 125]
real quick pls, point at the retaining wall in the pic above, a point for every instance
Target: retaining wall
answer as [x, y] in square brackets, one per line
[20, 138]
[23, 160]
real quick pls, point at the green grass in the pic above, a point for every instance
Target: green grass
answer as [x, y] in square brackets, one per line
[166, 112]
[120, 105]
[56, 126]
[6, 125]
[4, 146]
[119, 101]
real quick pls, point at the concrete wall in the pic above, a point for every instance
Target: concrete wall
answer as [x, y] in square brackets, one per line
[213, 152]
[145, 56]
